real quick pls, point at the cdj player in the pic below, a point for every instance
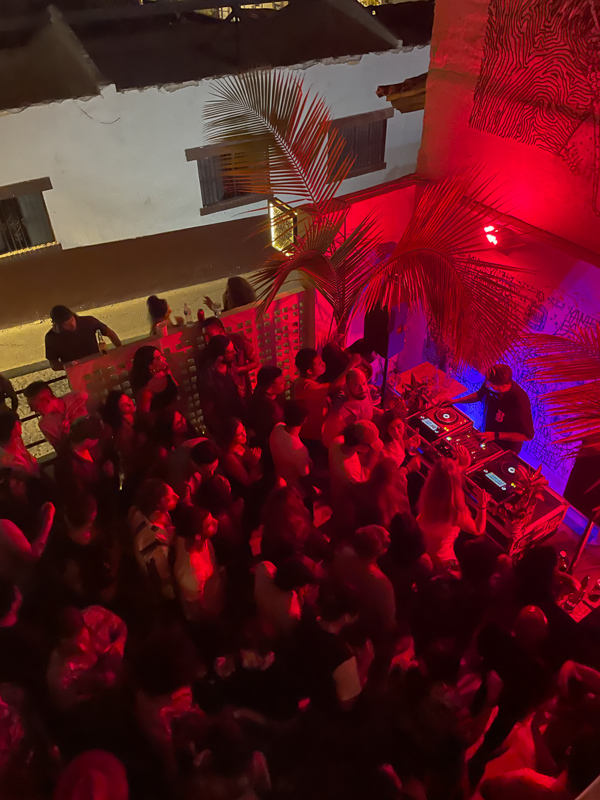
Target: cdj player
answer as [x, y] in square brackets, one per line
[437, 422]
[497, 475]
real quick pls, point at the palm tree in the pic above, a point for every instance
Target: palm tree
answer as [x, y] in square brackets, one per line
[572, 360]
[287, 146]
[473, 308]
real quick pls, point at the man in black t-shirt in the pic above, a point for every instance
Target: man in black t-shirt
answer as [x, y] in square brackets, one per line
[318, 662]
[73, 337]
[507, 415]
[217, 388]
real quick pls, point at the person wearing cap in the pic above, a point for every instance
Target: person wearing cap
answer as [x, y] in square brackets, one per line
[73, 337]
[355, 405]
[507, 409]
[352, 457]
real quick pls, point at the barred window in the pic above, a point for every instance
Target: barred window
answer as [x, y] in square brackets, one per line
[24, 221]
[216, 183]
[220, 189]
[364, 140]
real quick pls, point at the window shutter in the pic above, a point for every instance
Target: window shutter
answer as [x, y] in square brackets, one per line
[35, 218]
[364, 141]
[377, 133]
[216, 183]
[211, 180]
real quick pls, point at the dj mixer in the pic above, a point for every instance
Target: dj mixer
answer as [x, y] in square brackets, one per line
[443, 429]
[471, 441]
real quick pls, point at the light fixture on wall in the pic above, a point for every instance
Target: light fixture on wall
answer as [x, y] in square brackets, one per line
[501, 237]
[283, 225]
[491, 234]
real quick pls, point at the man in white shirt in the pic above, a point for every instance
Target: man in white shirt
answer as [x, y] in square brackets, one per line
[345, 465]
[56, 413]
[290, 456]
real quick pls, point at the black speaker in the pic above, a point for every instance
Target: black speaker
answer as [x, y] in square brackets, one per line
[377, 326]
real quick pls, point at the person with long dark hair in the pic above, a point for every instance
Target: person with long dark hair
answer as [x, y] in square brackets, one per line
[245, 360]
[151, 380]
[396, 442]
[159, 311]
[240, 463]
[238, 292]
[382, 495]
[118, 414]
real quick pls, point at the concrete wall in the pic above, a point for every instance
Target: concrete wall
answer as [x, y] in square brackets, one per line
[89, 277]
[117, 162]
[512, 86]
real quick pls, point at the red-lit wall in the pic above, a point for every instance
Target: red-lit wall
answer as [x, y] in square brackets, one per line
[514, 85]
[391, 205]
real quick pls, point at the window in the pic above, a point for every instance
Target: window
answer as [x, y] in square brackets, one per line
[24, 221]
[219, 188]
[364, 137]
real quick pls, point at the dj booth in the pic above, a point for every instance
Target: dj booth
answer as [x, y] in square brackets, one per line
[443, 428]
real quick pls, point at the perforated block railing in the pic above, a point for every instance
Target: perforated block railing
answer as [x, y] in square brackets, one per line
[286, 327]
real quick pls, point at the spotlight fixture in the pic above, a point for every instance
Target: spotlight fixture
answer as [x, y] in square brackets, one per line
[491, 234]
[503, 237]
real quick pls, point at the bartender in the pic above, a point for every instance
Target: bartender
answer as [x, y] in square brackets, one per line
[507, 410]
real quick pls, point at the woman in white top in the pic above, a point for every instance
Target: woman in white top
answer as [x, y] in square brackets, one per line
[151, 526]
[199, 578]
[279, 592]
[443, 512]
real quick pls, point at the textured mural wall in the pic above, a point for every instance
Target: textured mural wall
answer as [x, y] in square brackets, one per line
[539, 81]
[515, 85]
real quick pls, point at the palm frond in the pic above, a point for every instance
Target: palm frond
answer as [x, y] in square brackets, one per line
[577, 411]
[287, 145]
[558, 359]
[307, 255]
[472, 305]
[334, 263]
[352, 261]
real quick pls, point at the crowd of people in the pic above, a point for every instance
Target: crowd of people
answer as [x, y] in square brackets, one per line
[280, 605]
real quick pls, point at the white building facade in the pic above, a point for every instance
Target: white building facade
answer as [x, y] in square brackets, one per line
[117, 162]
